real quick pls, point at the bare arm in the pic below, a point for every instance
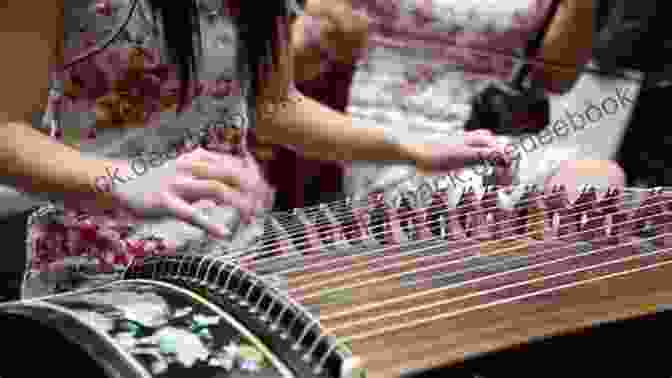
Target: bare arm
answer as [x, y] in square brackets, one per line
[326, 134]
[569, 42]
[288, 117]
[30, 160]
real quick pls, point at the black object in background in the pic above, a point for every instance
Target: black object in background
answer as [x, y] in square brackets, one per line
[644, 154]
[635, 35]
[508, 111]
[519, 106]
[14, 255]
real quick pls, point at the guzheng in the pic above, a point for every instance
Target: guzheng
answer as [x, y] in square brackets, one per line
[376, 288]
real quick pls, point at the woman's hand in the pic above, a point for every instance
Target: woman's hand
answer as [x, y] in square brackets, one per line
[457, 152]
[172, 189]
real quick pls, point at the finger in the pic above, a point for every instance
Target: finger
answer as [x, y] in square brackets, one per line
[204, 204]
[206, 171]
[480, 140]
[265, 188]
[192, 215]
[242, 173]
[222, 194]
[231, 171]
[204, 155]
[468, 156]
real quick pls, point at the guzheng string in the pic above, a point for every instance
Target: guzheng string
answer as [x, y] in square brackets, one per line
[377, 332]
[370, 319]
[343, 205]
[482, 244]
[459, 261]
[260, 261]
[409, 324]
[486, 206]
[372, 306]
[296, 230]
[415, 323]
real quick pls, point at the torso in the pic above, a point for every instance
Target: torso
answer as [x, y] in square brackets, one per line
[435, 54]
[121, 103]
[428, 58]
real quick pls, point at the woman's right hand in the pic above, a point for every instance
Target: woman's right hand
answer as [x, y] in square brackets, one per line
[172, 189]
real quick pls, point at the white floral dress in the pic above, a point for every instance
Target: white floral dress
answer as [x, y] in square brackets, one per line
[426, 61]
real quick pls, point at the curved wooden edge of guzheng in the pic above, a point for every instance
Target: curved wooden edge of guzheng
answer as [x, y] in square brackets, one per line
[547, 267]
[284, 326]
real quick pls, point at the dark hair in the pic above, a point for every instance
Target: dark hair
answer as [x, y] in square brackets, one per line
[260, 27]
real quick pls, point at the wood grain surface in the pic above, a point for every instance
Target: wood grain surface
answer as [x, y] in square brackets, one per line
[480, 296]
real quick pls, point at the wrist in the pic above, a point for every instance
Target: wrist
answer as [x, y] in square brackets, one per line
[413, 152]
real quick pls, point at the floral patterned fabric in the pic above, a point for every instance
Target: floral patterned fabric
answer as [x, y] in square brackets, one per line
[426, 61]
[121, 103]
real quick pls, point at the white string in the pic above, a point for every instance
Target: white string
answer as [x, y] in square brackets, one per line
[480, 279]
[397, 275]
[415, 323]
[409, 216]
[386, 248]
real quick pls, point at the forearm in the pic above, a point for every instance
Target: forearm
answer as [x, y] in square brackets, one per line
[36, 164]
[288, 117]
[326, 134]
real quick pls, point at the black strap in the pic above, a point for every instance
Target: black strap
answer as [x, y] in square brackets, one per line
[534, 44]
[107, 43]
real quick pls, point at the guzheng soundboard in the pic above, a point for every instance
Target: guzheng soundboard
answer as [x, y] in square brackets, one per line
[396, 287]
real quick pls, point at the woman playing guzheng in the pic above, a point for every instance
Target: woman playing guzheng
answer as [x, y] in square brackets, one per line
[140, 99]
[428, 59]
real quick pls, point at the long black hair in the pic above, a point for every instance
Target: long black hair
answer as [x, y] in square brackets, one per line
[260, 27]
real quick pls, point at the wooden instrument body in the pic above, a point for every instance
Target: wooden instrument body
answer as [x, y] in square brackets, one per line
[477, 288]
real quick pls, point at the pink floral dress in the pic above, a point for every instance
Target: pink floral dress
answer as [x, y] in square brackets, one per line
[121, 103]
